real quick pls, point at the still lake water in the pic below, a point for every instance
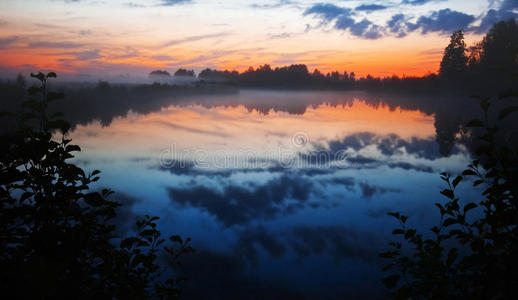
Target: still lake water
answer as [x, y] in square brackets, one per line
[284, 194]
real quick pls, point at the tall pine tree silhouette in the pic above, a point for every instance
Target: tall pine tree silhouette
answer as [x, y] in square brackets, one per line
[454, 61]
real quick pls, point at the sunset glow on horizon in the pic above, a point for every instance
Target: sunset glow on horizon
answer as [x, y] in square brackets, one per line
[86, 38]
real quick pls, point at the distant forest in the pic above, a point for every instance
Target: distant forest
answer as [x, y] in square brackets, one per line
[487, 67]
[489, 64]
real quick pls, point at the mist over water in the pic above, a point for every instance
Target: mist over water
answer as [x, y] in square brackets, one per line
[284, 194]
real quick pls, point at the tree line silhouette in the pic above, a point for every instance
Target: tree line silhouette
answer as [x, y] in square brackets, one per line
[485, 65]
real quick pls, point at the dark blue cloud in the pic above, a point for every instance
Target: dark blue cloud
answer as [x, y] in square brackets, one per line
[370, 7]
[442, 21]
[400, 26]
[344, 20]
[445, 21]
[327, 12]
[388, 145]
[493, 17]
[239, 205]
[369, 190]
[504, 13]
[509, 5]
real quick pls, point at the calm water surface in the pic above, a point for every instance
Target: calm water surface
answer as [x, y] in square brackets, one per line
[284, 194]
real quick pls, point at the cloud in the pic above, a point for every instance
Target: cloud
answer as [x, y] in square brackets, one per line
[493, 16]
[249, 238]
[340, 242]
[509, 5]
[239, 205]
[57, 45]
[399, 25]
[442, 21]
[134, 5]
[194, 38]
[326, 11]
[192, 130]
[418, 2]
[162, 57]
[369, 190]
[125, 215]
[344, 20]
[85, 32]
[283, 35]
[278, 4]
[370, 7]
[87, 55]
[127, 52]
[445, 21]
[364, 28]
[174, 2]
[409, 166]
[4, 42]
[391, 146]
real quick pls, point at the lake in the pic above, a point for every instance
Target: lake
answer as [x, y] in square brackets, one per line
[284, 194]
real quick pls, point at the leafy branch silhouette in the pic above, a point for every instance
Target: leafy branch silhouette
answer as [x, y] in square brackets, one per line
[56, 240]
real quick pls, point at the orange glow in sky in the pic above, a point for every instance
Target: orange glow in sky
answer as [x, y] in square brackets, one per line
[114, 38]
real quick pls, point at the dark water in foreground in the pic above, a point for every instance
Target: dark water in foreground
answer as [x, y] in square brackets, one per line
[284, 194]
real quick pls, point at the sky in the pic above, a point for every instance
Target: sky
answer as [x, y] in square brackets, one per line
[130, 38]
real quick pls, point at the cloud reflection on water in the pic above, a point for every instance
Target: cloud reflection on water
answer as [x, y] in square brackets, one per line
[257, 219]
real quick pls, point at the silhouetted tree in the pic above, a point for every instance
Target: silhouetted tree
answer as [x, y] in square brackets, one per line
[159, 73]
[454, 61]
[500, 47]
[215, 75]
[185, 73]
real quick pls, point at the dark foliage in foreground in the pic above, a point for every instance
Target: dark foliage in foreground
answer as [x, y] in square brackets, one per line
[473, 251]
[55, 237]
